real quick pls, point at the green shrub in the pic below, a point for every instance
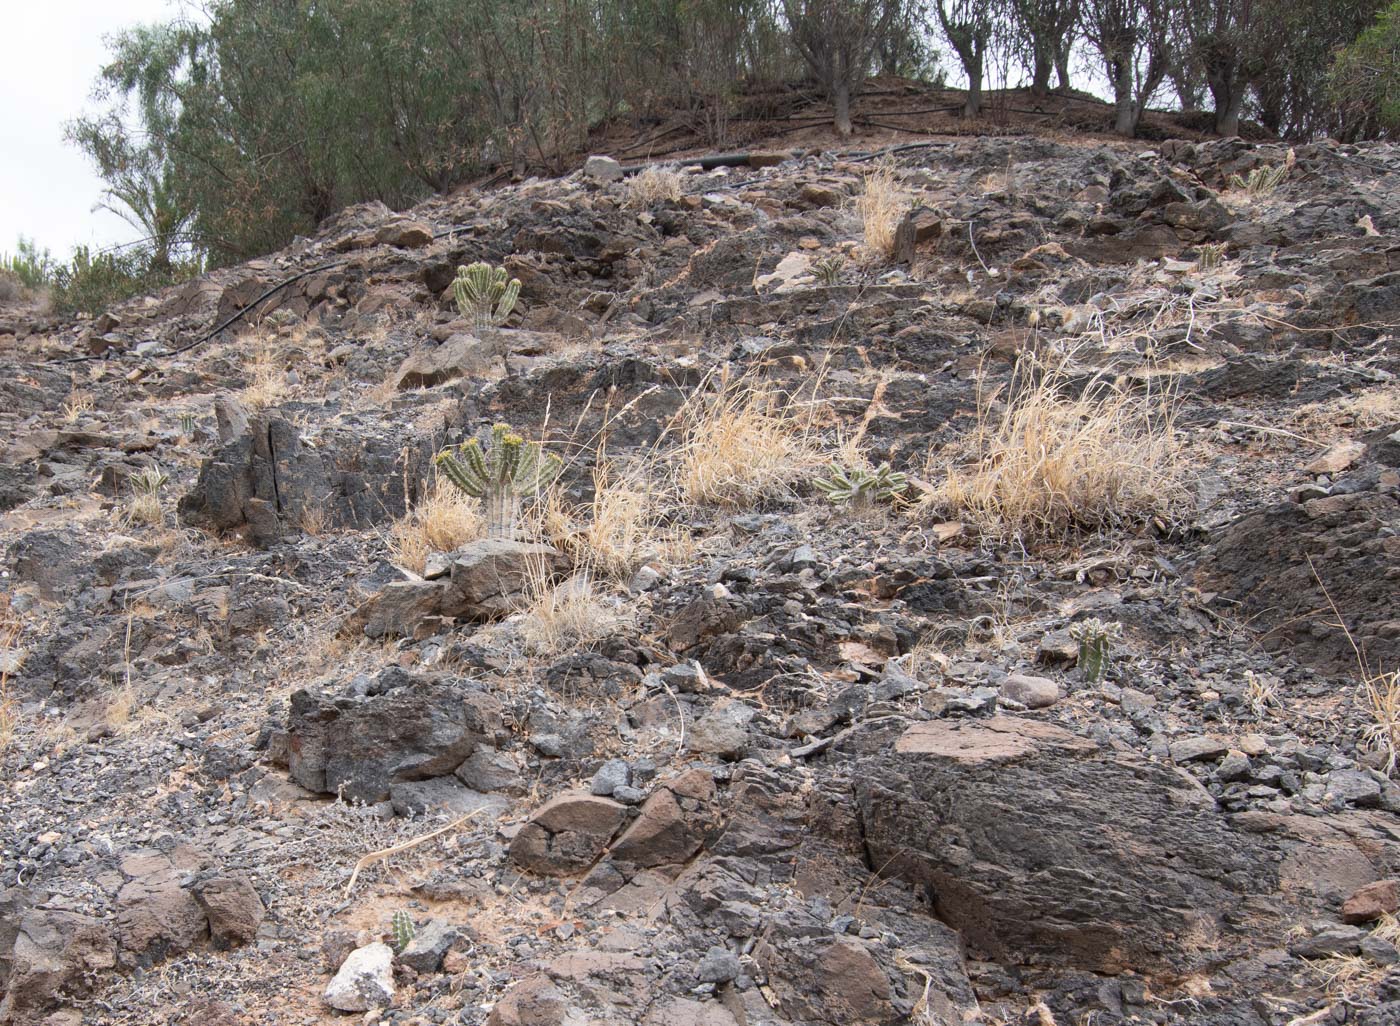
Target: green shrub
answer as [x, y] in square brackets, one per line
[92, 281]
[32, 268]
[1364, 81]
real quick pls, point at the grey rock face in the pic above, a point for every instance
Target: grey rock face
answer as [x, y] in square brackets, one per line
[421, 729]
[1037, 843]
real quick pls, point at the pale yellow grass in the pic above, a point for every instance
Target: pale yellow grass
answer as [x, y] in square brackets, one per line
[1382, 702]
[881, 206]
[11, 659]
[744, 444]
[623, 526]
[442, 520]
[267, 379]
[1364, 410]
[652, 186]
[569, 616]
[145, 506]
[1048, 461]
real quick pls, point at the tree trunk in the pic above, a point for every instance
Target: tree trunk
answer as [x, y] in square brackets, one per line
[1125, 117]
[841, 100]
[1040, 75]
[1061, 65]
[1227, 118]
[1227, 90]
[973, 106]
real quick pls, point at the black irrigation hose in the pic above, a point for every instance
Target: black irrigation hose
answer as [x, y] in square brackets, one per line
[220, 327]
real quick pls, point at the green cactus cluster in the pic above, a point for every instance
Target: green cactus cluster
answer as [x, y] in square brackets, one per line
[484, 294]
[862, 488]
[499, 470]
[149, 481]
[1096, 640]
[828, 270]
[403, 930]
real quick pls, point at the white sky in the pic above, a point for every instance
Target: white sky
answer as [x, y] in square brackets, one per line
[50, 52]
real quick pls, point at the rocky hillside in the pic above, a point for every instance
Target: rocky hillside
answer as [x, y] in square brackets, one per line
[287, 740]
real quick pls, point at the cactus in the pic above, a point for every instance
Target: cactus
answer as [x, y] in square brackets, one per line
[862, 488]
[403, 930]
[499, 472]
[1263, 180]
[828, 270]
[1095, 639]
[187, 425]
[149, 481]
[483, 293]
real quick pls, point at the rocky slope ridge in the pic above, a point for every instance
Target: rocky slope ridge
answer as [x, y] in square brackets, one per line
[814, 768]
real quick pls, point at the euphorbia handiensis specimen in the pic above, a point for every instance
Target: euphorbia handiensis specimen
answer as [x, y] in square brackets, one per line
[862, 488]
[1095, 639]
[484, 295]
[499, 473]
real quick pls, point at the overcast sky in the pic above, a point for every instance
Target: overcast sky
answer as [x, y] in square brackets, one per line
[50, 51]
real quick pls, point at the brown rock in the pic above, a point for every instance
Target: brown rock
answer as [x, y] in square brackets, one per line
[461, 356]
[155, 915]
[52, 952]
[999, 739]
[814, 194]
[685, 1012]
[663, 835]
[918, 226]
[489, 577]
[405, 234]
[534, 1001]
[1337, 458]
[233, 909]
[1372, 901]
[567, 834]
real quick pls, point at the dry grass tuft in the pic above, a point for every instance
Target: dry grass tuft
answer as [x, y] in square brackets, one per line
[653, 185]
[743, 445]
[11, 659]
[1050, 462]
[442, 520]
[78, 404]
[622, 528]
[881, 207]
[267, 379]
[145, 506]
[569, 616]
[1381, 692]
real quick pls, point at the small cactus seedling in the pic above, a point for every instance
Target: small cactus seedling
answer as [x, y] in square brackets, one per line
[187, 425]
[484, 294]
[862, 488]
[1095, 639]
[403, 930]
[1209, 255]
[828, 270]
[499, 473]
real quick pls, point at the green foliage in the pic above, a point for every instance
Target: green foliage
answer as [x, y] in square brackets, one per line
[33, 268]
[92, 281]
[1096, 640]
[251, 122]
[484, 295]
[403, 930]
[1364, 81]
[499, 473]
[1300, 37]
[862, 488]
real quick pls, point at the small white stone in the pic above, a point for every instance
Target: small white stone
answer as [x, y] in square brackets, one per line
[365, 980]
